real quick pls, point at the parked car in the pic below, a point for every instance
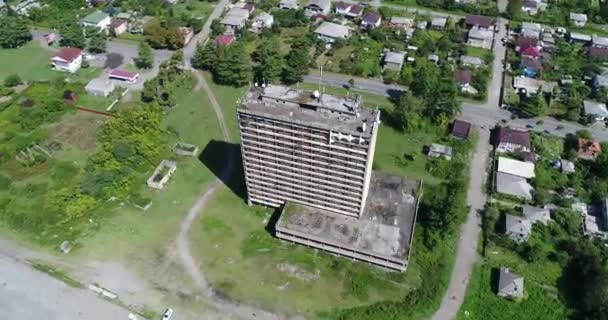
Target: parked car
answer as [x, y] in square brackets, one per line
[167, 314]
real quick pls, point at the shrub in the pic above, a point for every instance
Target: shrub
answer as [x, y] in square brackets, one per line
[12, 80]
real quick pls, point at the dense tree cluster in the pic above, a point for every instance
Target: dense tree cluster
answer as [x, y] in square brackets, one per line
[161, 35]
[14, 32]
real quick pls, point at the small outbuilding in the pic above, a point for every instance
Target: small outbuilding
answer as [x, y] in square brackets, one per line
[517, 228]
[99, 87]
[460, 129]
[438, 150]
[510, 285]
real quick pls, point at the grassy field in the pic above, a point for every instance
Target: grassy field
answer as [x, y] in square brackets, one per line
[478, 52]
[31, 62]
[481, 302]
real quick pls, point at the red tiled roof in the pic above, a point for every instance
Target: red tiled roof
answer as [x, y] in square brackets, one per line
[475, 20]
[527, 41]
[517, 137]
[463, 76]
[224, 40]
[461, 129]
[588, 149]
[529, 51]
[123, 74]
[68, 54]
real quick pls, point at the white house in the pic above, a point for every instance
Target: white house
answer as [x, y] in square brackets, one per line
[595, 109]
[97, 19]
[262, 21]
[318, 7]
[67, 59]
[578, 19]
[289, 4]
[235, 19]
[330, 32]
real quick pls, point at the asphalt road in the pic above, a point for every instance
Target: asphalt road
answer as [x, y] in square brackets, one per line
[26, 294]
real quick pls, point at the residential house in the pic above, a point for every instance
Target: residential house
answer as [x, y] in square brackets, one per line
[235, 19]
[97, 19]
[531, 86]
[517, 228]
[224, 40]
[597, 53]
[342, 8]
[580, 37]
[124, 16]
[567, 166]
[433, 58]
[123, 75]
[187, 33]
[249, 6]
[599, 42]
[481, 22]
[422, 25]
[318, 7]
[516, 167]
[530, 30]
[355, 11]
[330, 32]
[596, 110]
[529, 51]
[463, 78]
[513, 185]
[440, 151]
[531, 67]
[99, 87]
[262, 21]
[600, 81]
[460, 129]
[511, 140]
[371, 20]
[523, 42]
[588, 149]
[479, 37]
[536, 214]
[289, 5]
[67, 59]
[530, 6]
[510, 285]
[25, 6]
[118, 26]
[439, 23]
[401, 22]
[471, 61]
[578, 19]
[394, 60]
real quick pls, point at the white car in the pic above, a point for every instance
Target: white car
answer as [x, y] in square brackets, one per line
[167, 314]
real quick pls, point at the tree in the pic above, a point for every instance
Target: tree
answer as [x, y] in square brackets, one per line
[207, 57]
[514, 8]
[174, 39]
[268, 54]
[216, 28]
[155, 34]
[235, 68]
[97, 43]
[12, 80]
[297, 61]
[72, 35]
[535, 105]
[145, 58]
[14, 32]
[407, 114]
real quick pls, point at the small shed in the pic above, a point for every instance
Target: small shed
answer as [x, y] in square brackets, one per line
[438, 150]
[99, 87]
[460, 129]
[510, 285]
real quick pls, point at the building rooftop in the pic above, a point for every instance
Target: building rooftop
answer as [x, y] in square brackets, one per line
[385, 229]
[461, 129]
[599, 40]
[516, 167]
[580, 36]
[332, 30]
[439, 22]
[588, 149]
[477, 33]
[510, 284]
[402, 20]
[518, 228]
[512, 136]
[471, 60]
[322, 110]
[595, 108]
[513, 185]
[475, 20]
[95, 17]
[394, 57]
[578, 17]
[536, 214]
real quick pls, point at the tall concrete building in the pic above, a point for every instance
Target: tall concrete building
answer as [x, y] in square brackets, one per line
[312, 153]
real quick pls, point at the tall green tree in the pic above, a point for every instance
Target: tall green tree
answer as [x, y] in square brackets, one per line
[514, 8]
[297, 61]
[145, 59]
[72, 35]
[235, 69]
[155, 34]
[97, 43]
[407, 114]
[208, 57]
[534, 106]
[14, 32]
[268, 55]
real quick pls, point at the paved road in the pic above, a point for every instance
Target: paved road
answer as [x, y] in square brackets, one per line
[26, 294]
[363, 84]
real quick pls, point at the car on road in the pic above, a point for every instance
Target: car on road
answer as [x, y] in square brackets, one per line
[167, 314]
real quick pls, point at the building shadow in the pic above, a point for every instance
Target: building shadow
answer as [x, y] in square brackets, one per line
[494, 279]
[216, 156]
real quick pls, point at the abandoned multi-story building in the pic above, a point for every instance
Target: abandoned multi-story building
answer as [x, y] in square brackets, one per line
[311, 154]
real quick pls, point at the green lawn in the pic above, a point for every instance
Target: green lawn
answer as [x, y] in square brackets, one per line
[31, 62]
[482, 303]
[478, 52]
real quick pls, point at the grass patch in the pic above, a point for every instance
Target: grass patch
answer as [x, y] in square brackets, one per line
[31, 62]
[56, 273]
[478, 52]
[481, 302]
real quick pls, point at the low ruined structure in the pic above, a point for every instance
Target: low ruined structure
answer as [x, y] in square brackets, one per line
[162, 174]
